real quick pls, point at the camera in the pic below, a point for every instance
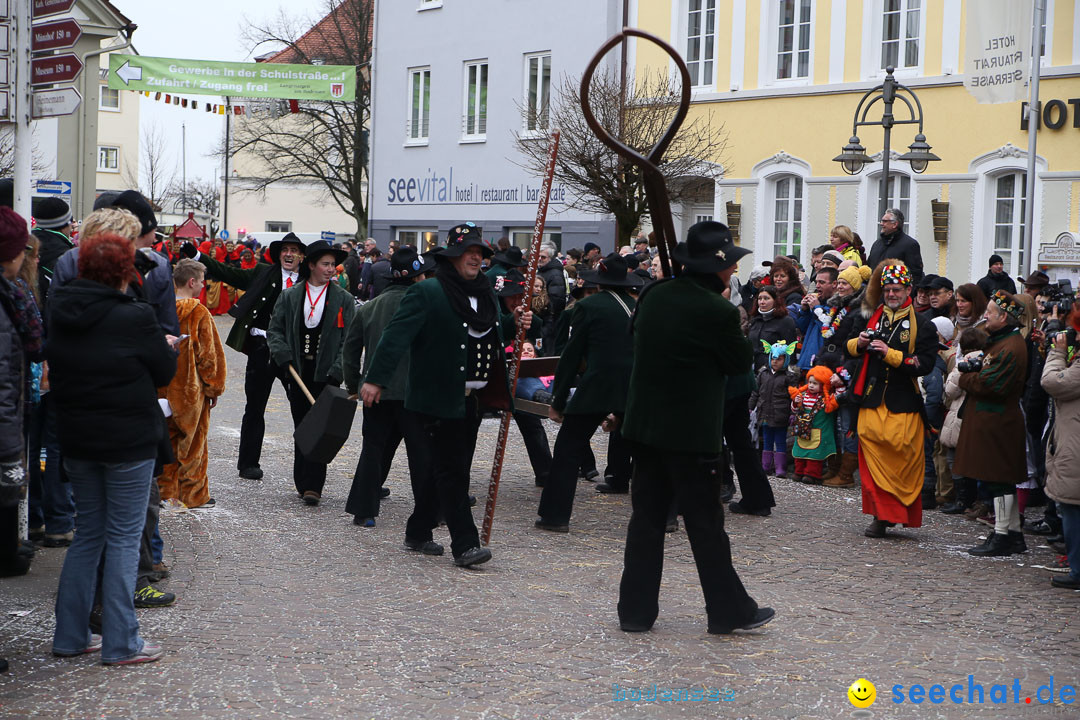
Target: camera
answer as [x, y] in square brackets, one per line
[879, 333]
[972, 365]
[1059, 295]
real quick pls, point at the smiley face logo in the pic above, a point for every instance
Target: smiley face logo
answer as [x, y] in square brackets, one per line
[862, 693]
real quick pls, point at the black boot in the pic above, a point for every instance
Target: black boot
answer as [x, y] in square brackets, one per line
[996, 545]
[954, 508]
[1016, 539]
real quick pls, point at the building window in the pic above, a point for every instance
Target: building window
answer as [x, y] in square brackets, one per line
[474, 117]
[1010, 202]
[787, 215]
[701, 42]
[793, 40]
[537, 92]
[901, 24]
[901, 202]
[426, 239]
[109, 99]
[278, 226]
[419, 105]
[522, 237]
[108, 159]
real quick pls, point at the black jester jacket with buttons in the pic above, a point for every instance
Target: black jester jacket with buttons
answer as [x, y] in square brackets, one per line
[261, 285]
[437, 340]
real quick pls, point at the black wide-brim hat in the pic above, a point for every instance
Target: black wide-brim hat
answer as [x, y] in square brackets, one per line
[316, 250]
[511, 284]
[708, 249]
[511, 257]
[611, 271]
[406, 263]
[461, 238]
[275, 247]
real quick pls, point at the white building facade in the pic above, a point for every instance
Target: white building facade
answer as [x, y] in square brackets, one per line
[455, 82]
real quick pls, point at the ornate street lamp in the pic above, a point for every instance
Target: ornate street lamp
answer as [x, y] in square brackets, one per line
[854, 156]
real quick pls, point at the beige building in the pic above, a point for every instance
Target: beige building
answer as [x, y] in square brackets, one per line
[118, 133]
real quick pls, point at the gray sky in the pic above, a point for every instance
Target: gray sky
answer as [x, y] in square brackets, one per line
[195, 29]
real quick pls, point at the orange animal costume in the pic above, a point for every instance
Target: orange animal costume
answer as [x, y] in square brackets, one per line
[200, 377]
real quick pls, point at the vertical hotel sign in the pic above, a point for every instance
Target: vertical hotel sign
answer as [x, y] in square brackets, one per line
[997, 61]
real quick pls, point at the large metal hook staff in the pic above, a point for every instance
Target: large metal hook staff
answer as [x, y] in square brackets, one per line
[655, 188]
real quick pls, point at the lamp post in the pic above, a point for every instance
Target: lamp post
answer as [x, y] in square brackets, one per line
[854, 156]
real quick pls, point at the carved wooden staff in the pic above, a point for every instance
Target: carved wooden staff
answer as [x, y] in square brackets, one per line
[519, 338]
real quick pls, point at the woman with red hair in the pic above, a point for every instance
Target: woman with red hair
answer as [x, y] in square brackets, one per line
[107, 355]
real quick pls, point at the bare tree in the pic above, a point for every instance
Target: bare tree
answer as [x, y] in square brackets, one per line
[202, 196]
[7, 154]
[156, 175]
[598, 180]
[324, 142]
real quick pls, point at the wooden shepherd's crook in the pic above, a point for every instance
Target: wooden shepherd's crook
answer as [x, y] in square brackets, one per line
[655, 189]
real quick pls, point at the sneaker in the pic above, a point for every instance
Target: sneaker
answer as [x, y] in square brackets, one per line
[208, 505]
[365, 522]
[57, 540]
[1059, 565]
[473, 556]
[151, 597]
[1067, 582]
[93, 647]
[148, 654]
[425, 547]
[172, 505]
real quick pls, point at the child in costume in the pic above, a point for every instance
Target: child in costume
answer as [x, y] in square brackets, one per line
[772, 402]
[813, 405]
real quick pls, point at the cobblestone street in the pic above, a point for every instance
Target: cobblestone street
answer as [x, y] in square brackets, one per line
[291, 611]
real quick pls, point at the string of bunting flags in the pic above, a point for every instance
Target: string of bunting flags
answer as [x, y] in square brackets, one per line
[215, 108]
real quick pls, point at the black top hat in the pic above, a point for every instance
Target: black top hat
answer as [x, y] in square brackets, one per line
[275, 247]
[511, 284]
[315, 251]
[511, 257]
[462, 237]
[1037, 278]
[708, 248]
[611, 271]
[406, 263]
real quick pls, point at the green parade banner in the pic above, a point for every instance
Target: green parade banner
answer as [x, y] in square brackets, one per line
[234, 79]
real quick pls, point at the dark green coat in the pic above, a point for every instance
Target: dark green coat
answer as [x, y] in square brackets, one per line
[496, 270]
[264, 279]
[427, 331]
[687, 342]
[367, 327]
[287, 325]
[600, 340]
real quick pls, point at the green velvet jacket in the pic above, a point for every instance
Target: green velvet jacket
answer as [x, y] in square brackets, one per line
[687, 342]
[287, 325]
[600, 340]
[367, 327]
[427, 331]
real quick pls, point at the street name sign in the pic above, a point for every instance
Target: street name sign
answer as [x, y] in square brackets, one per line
[253, 80]
[58, 35]
[53, 103]
[55, 69]
[52, 187]
[48, 8]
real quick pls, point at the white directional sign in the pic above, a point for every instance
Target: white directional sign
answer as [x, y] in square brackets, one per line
[53, 103]
[127, 72]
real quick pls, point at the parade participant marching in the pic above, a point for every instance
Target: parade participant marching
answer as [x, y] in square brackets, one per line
[600, 339]
[896, 346]
[451, 326]
[687, 342]
[503, 261]
[386, 424]
[307, 331]
[261, 285]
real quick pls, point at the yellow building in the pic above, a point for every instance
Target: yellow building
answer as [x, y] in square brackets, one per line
[785, 76]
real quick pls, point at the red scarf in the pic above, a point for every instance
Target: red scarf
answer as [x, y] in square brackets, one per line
[248, 264]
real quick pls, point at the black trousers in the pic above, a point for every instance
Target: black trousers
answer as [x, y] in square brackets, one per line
[259, 376]
[693, 479]
[571, 445]
[756, 491]
[452, 442]
[386, 424]
[307, 475]
[536, 444]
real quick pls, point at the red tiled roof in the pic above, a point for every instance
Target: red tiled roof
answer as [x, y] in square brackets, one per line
[331, 39]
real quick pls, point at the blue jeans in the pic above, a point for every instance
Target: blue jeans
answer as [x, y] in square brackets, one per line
[50, 497]
[845, 423]
[110, 499]
[1070, 521]
[774, 439]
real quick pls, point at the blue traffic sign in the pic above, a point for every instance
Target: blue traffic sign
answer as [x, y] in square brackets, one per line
[329, 236]
[53, 187]
[224, 234]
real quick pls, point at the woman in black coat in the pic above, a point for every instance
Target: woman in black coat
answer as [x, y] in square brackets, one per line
[107, 355]
[769, 322]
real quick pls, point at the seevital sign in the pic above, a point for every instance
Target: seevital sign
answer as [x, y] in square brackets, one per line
[252, 80]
